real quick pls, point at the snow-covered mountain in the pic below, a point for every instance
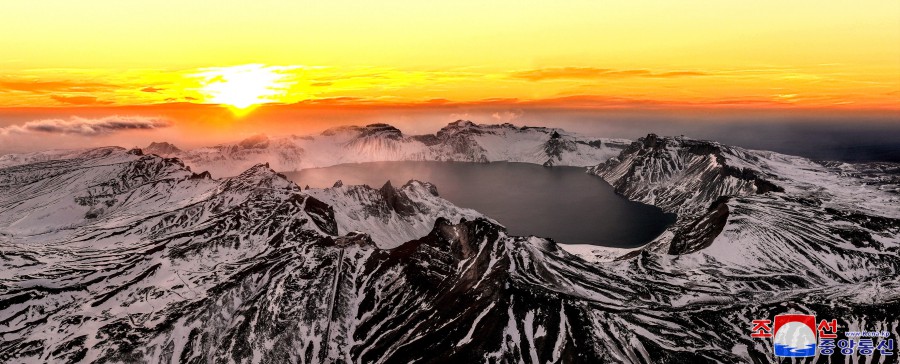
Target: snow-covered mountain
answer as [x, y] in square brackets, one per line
[462, 141]
[751, 210]
[114, 255]
[390, 216]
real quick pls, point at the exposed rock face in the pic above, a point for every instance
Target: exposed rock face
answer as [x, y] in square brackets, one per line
[556, 147]
[395, 201]
[683, 173]
[110, 256]
[700, 233]
[390, 215]
[738, 207]
[163, 149]
[381, 130]
[250, 266]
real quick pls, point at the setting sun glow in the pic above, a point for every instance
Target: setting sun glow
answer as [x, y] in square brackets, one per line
[243, 87]
[803, 56]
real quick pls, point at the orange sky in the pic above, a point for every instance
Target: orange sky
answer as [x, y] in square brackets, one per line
[860, 86]
[63, 59]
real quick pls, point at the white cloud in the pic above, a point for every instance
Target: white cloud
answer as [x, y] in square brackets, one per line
[87, 127]
[508, 116]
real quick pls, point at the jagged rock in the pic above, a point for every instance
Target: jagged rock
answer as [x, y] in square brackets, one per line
[201, 175]
[430, 187]
[397, 202]
[556, 147]
[354, 238]
[701, 170]
[651, 141]
[251, 268]
[763, 204]
[701, 232]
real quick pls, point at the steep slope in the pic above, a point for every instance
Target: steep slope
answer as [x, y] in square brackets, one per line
[458, 141]
[390, 216]
[14, 159]
[84, 283]
[760, 213]
[250, 268]
[147, 261]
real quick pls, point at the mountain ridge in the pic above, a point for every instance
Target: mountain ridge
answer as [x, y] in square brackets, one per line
[173, 265]
[461, 140]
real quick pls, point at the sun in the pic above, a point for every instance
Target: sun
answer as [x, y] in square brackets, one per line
[242, 88]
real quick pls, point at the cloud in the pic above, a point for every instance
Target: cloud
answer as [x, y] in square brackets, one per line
[507, 116]
[87, 127]
[680, 74]
[53, 86]
[152, 89]
[582, 73]
[79, 100]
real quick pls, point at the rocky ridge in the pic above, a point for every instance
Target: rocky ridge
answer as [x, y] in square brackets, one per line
[159, 263]
[462, 141]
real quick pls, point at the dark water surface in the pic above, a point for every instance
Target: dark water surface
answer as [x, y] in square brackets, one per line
[562, 203]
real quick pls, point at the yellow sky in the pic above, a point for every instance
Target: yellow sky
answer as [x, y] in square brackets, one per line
[638, 53]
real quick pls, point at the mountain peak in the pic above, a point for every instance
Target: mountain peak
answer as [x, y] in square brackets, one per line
[650, 141]
[260, 175]
[398, 202]
[459, 126]
[343, 129]
[161, 148]
[462, 123]
[428, 186]
[461, 140]
[258, 169]
[258, 141]
[387, 186]
[381, 129]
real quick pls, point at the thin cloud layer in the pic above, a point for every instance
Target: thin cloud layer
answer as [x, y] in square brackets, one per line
[365, 86]
[79, 100]
[572, 73]
[87, 127]
[39, 86]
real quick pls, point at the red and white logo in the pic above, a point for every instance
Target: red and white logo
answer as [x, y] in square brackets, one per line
[795, 335]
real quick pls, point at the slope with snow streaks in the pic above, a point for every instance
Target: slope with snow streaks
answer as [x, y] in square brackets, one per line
[250, 269]
[140, 263]
[391, 216]
[760, 214]
[680, 174]
[180, 267]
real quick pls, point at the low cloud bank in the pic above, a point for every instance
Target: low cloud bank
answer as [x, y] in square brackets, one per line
[87, 127]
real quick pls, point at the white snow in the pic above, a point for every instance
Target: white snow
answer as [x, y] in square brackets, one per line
[461, 141]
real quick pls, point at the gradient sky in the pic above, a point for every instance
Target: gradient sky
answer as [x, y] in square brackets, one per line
[73, 63]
